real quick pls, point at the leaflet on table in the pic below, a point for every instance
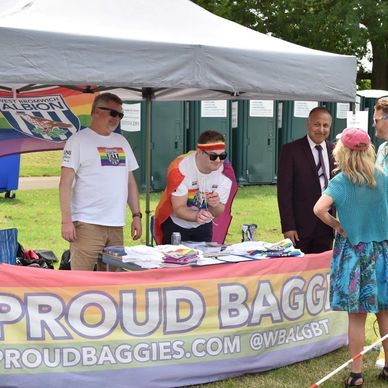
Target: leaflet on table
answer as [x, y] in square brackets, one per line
[147, 264]
[189, 253]
[164, 256]
[207, 261]
[262, 249]
[215, 253]
[205, 247]
[233, 258]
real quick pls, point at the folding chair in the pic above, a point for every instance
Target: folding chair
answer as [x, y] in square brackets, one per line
[221, 223]
[8, 245]
[152, 230]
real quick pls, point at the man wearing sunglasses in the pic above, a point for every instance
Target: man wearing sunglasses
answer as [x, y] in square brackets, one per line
[96, 184]
[380, 122]
[196, 192]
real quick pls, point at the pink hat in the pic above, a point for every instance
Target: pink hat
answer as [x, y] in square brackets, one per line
[355, 138]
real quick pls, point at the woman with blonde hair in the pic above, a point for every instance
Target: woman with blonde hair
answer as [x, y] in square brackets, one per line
[359, 267]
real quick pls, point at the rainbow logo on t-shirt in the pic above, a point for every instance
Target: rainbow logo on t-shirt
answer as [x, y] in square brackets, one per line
[196, 198]
[112, 156]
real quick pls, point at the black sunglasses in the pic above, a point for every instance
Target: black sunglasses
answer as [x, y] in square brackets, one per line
[112, 112]
[213, 157]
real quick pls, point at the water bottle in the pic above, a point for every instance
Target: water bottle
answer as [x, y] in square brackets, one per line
[176, 238]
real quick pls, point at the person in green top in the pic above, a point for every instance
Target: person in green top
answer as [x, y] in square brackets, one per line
[359, 267]
[380, 122]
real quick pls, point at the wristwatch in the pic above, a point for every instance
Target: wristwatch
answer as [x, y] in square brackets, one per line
[138, 214]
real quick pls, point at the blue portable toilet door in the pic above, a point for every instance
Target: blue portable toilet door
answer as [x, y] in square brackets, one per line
[168, 138]
[261, 141]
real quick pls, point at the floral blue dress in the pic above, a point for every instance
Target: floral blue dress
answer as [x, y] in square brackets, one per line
[359, 276]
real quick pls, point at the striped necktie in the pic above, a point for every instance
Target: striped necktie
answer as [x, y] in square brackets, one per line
[321, 170]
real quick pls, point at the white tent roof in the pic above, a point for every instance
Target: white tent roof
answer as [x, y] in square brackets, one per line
[172, 46]
[372, 93]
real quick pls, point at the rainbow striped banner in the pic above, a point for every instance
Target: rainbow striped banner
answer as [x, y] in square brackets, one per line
[166, 327]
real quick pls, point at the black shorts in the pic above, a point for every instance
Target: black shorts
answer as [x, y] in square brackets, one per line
[202, 233]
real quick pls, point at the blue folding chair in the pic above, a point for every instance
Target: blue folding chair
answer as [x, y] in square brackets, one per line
[8, 245]
[152, 230]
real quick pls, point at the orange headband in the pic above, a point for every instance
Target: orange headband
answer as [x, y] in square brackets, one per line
[220, 145]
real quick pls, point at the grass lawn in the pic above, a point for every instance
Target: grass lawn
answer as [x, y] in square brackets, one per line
[36, 215]
[41, 164]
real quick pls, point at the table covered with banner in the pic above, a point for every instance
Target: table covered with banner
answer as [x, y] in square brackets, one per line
[164, 327]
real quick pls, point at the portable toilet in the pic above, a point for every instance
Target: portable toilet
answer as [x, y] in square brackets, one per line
[366, 101]
[255, 141]
[133, 129]
[209, 114]
[339, 112]
[292, 120]
[168, 137]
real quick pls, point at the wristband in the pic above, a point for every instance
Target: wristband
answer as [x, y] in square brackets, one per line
[138, 214]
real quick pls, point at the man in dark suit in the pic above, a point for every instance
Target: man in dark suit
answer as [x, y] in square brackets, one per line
[303, 172]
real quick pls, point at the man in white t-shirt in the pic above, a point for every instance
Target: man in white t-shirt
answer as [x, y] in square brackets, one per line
[196, 192]
[96, 184]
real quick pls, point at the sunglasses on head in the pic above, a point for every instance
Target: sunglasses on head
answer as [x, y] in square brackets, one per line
[376, 119]
[213, 157]
[112, 112]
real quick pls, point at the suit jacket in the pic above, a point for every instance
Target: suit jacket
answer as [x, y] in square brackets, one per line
[298, 186]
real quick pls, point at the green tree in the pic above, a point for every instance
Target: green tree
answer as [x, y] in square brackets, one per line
[343, 27]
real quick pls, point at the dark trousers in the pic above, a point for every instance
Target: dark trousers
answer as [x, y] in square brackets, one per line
[320, 241]
[202, 233]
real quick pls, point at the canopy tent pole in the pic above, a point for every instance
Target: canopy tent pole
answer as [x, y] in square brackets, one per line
[147, 94]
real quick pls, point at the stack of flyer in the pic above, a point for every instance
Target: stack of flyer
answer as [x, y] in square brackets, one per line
[180, 256]
[283, 248]
[263, 250]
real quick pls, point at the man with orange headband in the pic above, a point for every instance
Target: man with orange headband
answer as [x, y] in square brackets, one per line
[196, 192]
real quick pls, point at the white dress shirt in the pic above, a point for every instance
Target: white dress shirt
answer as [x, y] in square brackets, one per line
[314, 151]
